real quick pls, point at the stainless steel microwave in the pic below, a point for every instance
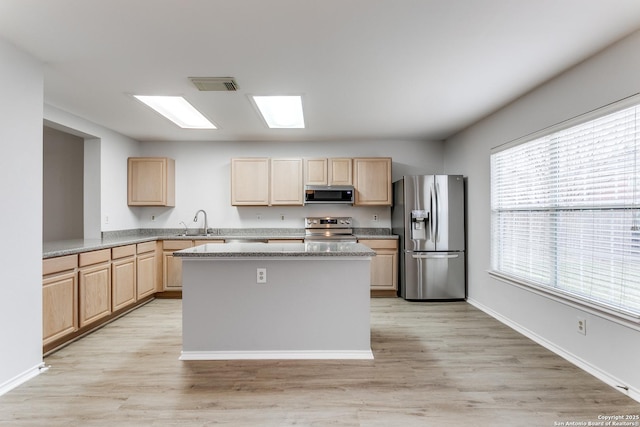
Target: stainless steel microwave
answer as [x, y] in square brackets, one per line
[328, 194]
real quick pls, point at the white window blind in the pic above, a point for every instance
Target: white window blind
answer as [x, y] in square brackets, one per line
[565, 212]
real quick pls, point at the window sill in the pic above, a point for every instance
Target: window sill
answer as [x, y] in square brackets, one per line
[602, 311]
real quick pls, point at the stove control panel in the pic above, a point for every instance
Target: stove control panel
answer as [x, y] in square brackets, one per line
[328, 222]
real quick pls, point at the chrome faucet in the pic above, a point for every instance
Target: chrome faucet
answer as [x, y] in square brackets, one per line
[206, 225]
[186, 229]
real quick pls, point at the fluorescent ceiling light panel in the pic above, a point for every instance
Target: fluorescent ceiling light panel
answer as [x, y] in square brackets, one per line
[178, 110]
[281, 111]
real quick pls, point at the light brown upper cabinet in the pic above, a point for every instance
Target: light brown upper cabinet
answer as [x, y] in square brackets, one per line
[264, 182]
[250, 181]
[334, 171]
[286, 182]
[372, 181]
[315, 171]
[151, 181]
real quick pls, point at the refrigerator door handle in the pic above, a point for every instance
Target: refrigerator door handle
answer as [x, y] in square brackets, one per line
[434, 256]
[437, 222]
[433, 214]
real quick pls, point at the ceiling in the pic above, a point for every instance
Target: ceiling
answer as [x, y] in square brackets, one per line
[367, 69]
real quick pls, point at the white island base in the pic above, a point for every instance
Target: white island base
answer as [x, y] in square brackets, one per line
[309, 308]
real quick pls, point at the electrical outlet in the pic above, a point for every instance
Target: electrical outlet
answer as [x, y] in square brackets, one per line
[582, 326]
[259, 216]
[375, 217]
[281, 217]
[106, 219]
[261, 275]
[153, 217]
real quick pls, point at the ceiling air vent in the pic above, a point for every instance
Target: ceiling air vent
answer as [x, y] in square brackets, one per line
[216, 84]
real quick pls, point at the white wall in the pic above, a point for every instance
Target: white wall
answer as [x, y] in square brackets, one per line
[609, 350]
[63, 178]
[21, 86]
[203, 180]
[105, 166]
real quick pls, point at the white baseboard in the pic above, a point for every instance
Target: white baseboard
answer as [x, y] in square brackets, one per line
[22, 378]
[271, 355]
[603, 376]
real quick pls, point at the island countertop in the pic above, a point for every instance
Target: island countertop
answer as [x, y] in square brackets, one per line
[256, 250]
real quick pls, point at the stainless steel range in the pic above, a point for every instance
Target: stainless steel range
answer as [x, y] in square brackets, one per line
[329, 229]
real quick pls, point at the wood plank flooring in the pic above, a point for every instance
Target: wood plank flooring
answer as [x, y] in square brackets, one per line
[444, 364]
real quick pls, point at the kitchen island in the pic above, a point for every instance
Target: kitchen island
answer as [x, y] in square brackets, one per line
[276, 301]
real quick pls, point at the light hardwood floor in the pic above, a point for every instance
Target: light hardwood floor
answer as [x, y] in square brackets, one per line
[435, 365]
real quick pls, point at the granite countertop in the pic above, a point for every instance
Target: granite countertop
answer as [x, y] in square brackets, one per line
[287, 250]
[129, 237]
[70, 247]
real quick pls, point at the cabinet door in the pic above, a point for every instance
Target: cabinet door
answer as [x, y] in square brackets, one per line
[250, 181]
[146, 274]
[171, 272]
[151, 181]
[286, 182]
[315, 172]
[94, 293]
[340, 172]
[372, 181]
[384, 270]
[384, 266]
[123, 282]
[172, 266]
[59, 306]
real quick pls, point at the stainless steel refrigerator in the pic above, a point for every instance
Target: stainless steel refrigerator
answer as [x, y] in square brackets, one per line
[429, 216]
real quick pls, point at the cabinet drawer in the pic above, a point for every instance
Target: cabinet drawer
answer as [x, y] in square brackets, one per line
[176, 244]
[146, 247]
[380, 243]
[95, 257]
[58, 264]
[123, 251]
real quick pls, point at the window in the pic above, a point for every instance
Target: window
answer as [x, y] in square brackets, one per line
[565, 212]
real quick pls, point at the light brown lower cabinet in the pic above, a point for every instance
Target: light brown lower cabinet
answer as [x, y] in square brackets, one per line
[123, 281]
[94, 279]
[146, 269]
[384, 266]
[81, 291]
[172, 266]
[59, 298]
